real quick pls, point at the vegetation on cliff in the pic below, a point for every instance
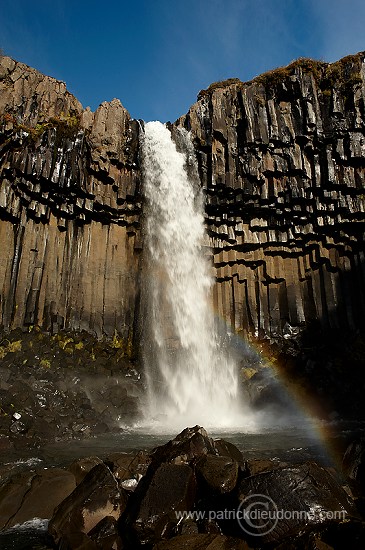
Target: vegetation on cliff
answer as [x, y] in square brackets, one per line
[344, 73]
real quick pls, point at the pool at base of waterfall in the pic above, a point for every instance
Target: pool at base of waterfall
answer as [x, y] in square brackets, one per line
[292, 444]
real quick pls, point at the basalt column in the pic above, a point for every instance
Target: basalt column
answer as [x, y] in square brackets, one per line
[69, 208]
[282, 162]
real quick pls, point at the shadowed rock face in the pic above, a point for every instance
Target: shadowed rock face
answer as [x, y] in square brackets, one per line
[282, 163]
[95, 498]
[33, 494]
[179, 503]
[306, 487]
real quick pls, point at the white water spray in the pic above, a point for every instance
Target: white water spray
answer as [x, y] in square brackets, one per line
[189, 381]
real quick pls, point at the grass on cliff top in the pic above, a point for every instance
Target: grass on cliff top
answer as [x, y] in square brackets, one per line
[217, 85]
[344, 73]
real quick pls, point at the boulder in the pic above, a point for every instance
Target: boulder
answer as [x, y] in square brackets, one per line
[188, 527]
[31, 495]
[353, 465]
[96, 497]
[218, 473]
[153, 511]
[226, 448]
[169, 485]
[12, 494]
[125, 466]
[332, 536]
[81, 467]
[76, 541]
[286, 500]
[255, 466]
[190, 445]
[105, 534]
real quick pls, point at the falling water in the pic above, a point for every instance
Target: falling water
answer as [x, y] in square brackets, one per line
[189, 380]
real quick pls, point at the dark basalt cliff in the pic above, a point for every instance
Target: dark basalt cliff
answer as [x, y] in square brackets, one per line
[281, 161]
[69, 208]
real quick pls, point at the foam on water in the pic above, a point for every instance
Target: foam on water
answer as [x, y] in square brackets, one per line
[35, 524]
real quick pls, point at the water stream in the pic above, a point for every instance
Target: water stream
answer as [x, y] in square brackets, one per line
[189, 380]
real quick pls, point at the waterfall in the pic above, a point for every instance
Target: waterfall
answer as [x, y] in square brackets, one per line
[189, 380]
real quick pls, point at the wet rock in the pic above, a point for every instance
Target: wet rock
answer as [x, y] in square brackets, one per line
[5, 443]
[353, 465]
[129, 485]
[226, 448]
[79, 468]
[152, 513]
[190, 445]
[18, 427]
[219, 473]
[25, 539]
[96, 497]
[256, 466]
[305, 495]
[202, 542]
[33, 494]
[12, 495]
[77, 541]
[55, 402]
[210, 527]
[187, 527]
[125, 466]
[331, 536]
[106, 535]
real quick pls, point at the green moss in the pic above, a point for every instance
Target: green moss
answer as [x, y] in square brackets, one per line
[66, 126]
[64, 340]
[125, 345]
[9, 347]
[117, 342]
[14, 346]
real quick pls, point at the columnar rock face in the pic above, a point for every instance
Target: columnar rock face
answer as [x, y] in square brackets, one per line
[282, 163]
[69, 208]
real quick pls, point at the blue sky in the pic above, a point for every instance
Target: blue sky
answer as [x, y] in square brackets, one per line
[155, 55]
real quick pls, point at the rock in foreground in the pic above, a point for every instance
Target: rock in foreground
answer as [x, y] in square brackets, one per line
[190, 495]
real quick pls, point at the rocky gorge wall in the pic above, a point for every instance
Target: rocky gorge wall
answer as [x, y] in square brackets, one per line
[69, 208]
[281, 161]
